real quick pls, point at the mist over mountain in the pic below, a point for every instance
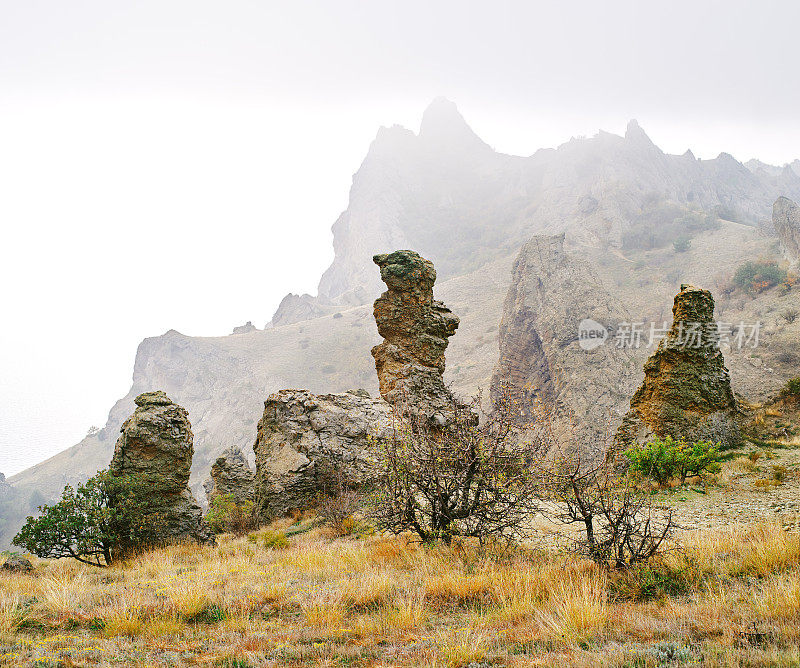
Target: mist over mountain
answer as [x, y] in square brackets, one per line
[620, 200]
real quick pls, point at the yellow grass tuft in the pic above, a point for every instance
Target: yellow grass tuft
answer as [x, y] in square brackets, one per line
[779, 597]
[578, 607]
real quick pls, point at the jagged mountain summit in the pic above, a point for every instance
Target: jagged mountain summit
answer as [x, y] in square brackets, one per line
[619, 200]
[447, 194]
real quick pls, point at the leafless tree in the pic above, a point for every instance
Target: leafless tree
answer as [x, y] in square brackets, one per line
[588, 485]
[467, 478]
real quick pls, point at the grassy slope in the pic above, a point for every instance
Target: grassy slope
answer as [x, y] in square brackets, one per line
[385, 601]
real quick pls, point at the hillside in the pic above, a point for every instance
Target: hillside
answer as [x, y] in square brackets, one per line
[620, 200]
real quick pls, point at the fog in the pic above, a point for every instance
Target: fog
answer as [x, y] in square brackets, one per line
[179, 164]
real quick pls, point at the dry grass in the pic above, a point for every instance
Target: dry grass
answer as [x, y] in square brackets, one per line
[387, 601]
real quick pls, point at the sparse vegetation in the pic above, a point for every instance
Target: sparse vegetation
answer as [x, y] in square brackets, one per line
[469, 479]
[389, 601]
[662, 223]
[757, 276]
[620, 525]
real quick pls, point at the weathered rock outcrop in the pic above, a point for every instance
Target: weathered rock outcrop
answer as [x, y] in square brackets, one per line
[410, 362]
[17, 563]
[308, 442]
[548, 364]
[786, 219]
[296, 308]
[156, 446]
[687, 389]
[231, 474]
[244, 329]
[5, 488]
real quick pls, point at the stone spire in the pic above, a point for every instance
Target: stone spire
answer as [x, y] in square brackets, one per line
[686, 392]
[410, 362]
[156, 446]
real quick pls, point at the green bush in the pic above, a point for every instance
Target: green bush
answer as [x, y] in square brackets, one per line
[663, 460]
[759, 275]
[792, 388]
[652, 580]
[227, 516]
[105, 518]
[681, 244]
[275, 540]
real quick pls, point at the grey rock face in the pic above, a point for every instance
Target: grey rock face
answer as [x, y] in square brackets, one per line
[296, 308]
[305, 441]
[544, 364]
[156, 446]
[786, 219]
[18, 564]
[231, 474]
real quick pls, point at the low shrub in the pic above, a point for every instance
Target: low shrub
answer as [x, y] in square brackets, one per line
[227, 516]
[681, 244]
[652, 580]
[757, 276]
[275, 540]
[664, 459]
[336, 507]
[792, 388]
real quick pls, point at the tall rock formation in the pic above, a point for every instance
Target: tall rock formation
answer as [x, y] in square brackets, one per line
[156, 446]
[231, 475]
[467, 208]
[686, 391]
[545, 365]
[786, 219]
[307, 443]
[410, 362]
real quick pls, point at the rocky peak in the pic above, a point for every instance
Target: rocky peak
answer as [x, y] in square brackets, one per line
[156, 446]
[786, 220]
[686, 391]
[584, 384]
[296, 308]
[635, 133]
[444, 127]
[410, 362]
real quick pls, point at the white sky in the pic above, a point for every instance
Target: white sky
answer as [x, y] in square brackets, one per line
[178, 164]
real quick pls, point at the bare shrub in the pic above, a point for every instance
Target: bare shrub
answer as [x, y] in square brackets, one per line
[337, 504]
[466, 478]
[589, 486]
[620, 525]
